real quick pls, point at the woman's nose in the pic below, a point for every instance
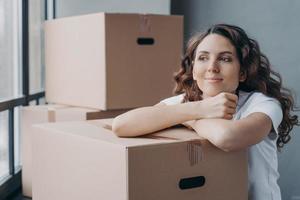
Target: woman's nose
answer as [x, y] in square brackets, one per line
[213, 66]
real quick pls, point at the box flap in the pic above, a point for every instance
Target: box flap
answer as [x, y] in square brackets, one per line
[101, 130]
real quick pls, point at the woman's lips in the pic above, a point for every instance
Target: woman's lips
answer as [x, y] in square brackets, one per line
[213, 80]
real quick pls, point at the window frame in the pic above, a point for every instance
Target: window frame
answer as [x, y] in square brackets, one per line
[12, 183]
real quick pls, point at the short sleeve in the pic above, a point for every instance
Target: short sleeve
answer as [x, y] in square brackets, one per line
[173, 100]
[269, 106]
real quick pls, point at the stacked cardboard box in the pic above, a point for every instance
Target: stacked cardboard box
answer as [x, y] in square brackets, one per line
[90, 162]
[112, 61]
[107, 62]
[31, 115]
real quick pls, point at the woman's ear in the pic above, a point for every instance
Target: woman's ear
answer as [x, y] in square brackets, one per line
[243, 76]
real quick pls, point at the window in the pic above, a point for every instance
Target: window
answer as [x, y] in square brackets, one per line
[21, 79]
[10, 70]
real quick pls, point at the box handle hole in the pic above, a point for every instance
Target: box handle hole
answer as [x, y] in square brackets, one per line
[145, 41]
[191, 182]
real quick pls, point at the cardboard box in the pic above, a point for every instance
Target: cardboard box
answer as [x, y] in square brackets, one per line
[112, 61]
[49, 113]
[85, 160]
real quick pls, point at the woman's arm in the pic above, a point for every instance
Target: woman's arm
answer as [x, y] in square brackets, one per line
[232, 135]
[146, 120]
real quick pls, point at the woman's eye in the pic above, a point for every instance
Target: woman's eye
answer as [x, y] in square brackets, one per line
[226, 59]
[202, 58]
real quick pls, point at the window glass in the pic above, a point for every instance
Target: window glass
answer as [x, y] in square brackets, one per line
[10, 70]
[9, 49]
[4, 168]
[36, 46]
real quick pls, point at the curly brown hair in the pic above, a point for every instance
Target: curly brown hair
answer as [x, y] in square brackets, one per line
[254, 64]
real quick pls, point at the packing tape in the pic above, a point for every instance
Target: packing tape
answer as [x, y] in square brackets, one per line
[195, 152]
[51, 115]
[193, 148]
[145, 24]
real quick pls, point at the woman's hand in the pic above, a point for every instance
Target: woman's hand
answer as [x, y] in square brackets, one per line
[221, 106]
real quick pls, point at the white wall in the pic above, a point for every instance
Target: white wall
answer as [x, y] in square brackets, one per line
[78, 7]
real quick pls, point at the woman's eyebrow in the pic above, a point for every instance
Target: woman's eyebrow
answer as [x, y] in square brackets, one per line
[225, 52]
[204, 52]
[220, 53]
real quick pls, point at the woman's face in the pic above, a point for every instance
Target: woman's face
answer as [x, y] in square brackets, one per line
[216, 66]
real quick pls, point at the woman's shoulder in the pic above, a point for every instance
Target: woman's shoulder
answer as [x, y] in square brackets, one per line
[256, 97]
[259, 102]
[173, 100]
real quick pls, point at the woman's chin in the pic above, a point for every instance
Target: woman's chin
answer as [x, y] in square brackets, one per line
[213, 93]
[210, 94]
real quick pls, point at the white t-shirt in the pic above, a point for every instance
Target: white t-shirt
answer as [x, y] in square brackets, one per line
[262, 157]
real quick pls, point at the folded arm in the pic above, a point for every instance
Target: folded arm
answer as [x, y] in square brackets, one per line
[232, 135]
[147, 120]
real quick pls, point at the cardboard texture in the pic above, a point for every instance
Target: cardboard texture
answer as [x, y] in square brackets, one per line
[49, 113]
[90, 162]
[112, 61]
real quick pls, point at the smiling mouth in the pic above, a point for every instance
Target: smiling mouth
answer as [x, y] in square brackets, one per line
[214, 80]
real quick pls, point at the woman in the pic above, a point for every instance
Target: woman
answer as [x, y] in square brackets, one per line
[229, 95]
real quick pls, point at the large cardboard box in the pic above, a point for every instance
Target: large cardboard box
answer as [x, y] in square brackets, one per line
[85, 160]
[112, 61]
[49, 113]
